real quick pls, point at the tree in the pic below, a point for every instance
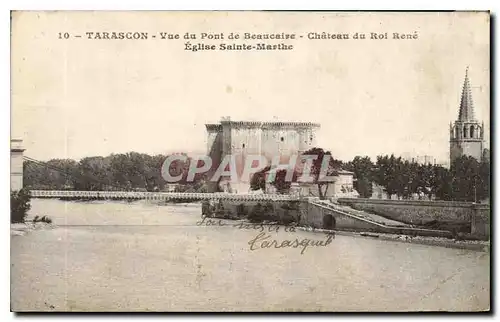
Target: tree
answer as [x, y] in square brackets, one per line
[414, 182]
[426, 180]
[441, 185]
[258, 180]
[386, 174]
[465, 178]
[19, 205]
[316, 171]
[35, 176]
[63, 173]
[94, 174]
[406, 177]
[55, 174]
[484, 180]
[155, 180]
[363, 175]
[281, 184]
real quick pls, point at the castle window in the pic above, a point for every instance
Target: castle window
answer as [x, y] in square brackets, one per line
[282, 139]
[243, 145]
[465, 131]
[457, 135]
[472, 131]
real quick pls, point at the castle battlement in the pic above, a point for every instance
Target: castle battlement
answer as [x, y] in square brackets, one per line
[252, 124]
[290, 125]
[214, 127]
[265, 125]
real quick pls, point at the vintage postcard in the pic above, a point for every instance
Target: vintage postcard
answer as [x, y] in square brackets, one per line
[250, 161]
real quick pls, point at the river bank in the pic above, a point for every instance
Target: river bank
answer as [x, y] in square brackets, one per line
[21, 229]
[475, 245]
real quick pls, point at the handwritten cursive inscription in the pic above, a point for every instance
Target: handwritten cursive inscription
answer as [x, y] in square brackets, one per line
[205, 221]
[263, 240]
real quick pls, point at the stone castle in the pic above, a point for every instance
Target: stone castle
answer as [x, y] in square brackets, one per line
[466, 134]
[269, 139]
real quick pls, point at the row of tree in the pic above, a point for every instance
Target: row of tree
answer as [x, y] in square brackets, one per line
[466, 180]
[128, 171]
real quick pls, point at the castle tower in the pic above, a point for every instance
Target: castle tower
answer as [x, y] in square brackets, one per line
[241, 139]
[466, 134]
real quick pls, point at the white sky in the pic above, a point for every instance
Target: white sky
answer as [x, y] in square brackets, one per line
[78, 97]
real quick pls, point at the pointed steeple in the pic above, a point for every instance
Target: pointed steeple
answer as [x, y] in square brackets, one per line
[466, 112]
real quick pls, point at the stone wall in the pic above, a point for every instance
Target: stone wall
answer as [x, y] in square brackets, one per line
[281, 211]
[214, 147]
[245, 141]
[314, 216]
[426, 212]
[309, 214]
[480, 223]
[307, 139]
[280, 142]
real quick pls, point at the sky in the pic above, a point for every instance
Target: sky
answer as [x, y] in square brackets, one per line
[80, 97]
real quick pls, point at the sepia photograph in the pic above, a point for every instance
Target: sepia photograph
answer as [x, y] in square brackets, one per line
[250, 161]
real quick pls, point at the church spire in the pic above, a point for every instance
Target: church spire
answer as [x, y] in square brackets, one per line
[466, 112]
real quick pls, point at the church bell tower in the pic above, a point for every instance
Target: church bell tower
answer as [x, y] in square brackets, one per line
[466, 134]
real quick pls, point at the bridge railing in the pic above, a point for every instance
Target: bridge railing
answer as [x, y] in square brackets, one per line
[158, 195]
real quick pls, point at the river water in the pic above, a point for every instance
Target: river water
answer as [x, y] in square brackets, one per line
[121, 256]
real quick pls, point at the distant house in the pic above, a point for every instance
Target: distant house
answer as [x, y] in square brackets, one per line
[378, 192]
[342, 186]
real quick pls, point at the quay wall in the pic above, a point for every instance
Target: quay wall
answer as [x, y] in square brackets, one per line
[475, 217]
[316, 216]
[281, 211]
[308, 214]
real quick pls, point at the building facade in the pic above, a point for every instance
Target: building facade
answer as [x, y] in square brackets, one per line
[341, 187]
[466, 133]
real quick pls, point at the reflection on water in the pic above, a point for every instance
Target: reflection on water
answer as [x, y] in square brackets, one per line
[120, 256]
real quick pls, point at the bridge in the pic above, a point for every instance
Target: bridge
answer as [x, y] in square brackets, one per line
[166, 196]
